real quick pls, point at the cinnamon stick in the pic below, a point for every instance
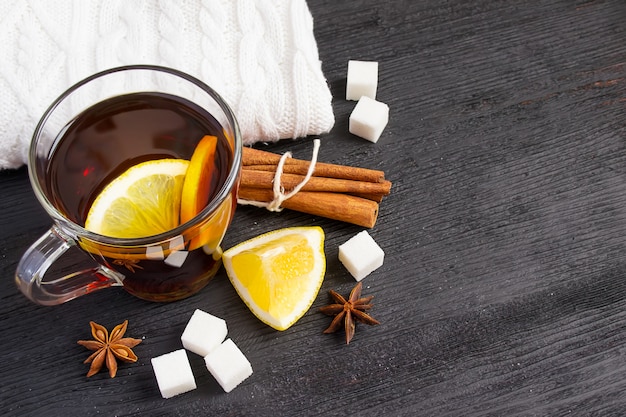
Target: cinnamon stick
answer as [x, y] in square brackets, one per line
[267, 161]
[374, 197]
[339, 192]
[336, 206]
[265, 179]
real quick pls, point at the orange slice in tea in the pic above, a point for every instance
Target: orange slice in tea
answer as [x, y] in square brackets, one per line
[142, 201]
[197, 185]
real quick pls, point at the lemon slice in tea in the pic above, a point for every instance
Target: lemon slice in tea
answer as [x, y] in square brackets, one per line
[278, 274]
[142, 201]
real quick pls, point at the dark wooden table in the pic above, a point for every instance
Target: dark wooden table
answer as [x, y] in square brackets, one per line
[503, 290]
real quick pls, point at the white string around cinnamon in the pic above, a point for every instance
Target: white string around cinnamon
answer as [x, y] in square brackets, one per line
[278, 189]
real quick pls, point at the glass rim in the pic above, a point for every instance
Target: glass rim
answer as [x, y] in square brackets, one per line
[78, 230]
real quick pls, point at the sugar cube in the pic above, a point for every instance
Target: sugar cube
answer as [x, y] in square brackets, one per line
[176, 258]
[203, 333]
[228, 365]
[361, 255]
[154, 253]
[369, 118]
[173, 373]
[362, 79]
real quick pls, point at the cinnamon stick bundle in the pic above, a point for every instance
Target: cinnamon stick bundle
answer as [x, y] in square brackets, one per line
[339, 192]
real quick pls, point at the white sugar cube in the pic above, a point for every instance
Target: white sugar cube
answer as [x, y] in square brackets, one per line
[228, 365]
[154, 253]
[203, 333]
[362, 79]
[173, 373]
[369, 118]
[176, 258]
[177, 243]
[361, 255]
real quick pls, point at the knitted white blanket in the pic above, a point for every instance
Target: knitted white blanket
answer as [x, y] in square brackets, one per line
[260, 55]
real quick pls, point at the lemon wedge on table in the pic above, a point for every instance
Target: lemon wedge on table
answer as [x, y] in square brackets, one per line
[278, 274]
[143, 201]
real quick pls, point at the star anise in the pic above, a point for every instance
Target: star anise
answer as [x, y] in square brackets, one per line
[109, 347]
[130, 264]
[347, 311]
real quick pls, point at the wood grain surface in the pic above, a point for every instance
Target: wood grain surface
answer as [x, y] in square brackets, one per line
[503, 290]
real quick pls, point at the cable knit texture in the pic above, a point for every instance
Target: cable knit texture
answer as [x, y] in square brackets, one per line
[260, 55]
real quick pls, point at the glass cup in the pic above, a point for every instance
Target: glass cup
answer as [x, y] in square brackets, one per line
[66, 177]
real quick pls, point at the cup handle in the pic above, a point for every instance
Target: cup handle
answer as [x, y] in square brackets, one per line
[31, 269]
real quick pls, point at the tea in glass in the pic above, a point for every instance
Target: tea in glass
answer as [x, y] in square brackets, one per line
[135, 129]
